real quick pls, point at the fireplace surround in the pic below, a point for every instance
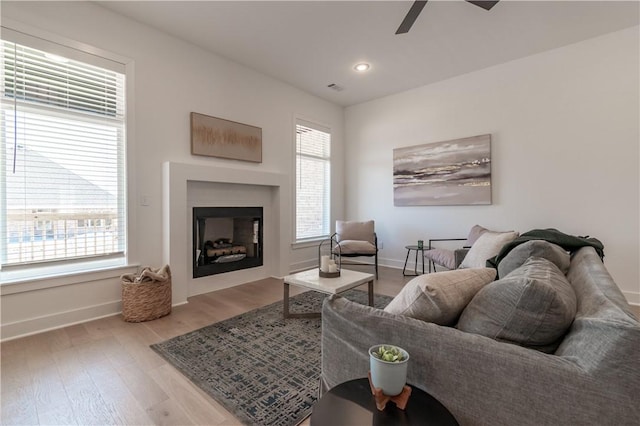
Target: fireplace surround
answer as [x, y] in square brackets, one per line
[272, 191]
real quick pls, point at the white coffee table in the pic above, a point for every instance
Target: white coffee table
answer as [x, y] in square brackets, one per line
[311, 280]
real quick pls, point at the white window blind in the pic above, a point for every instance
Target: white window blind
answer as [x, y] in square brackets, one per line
[62, 157]
[313, 185]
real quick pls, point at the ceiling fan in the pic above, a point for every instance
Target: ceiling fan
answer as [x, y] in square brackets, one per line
[417, 7]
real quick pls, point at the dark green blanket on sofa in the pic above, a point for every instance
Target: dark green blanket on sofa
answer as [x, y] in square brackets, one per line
[567, 242]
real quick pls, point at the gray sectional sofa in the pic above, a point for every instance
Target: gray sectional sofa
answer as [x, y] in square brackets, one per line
[592, 378]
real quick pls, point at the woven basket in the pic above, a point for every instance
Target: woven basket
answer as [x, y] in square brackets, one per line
[146, 301]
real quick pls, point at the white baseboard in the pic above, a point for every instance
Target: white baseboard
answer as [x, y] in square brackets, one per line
[632, 297]
[303, 266]
[395, 263]
[44, 323]
[37, 325]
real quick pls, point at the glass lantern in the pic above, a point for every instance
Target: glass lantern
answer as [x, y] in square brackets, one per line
[328, 266]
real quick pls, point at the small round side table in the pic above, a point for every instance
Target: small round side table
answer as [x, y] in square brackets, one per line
[351, 403]
[419, 251]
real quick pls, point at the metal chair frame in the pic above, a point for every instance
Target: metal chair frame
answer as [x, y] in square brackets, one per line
[375, 256]
[430, 246]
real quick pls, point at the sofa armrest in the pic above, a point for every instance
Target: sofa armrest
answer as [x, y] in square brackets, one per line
[480, 380]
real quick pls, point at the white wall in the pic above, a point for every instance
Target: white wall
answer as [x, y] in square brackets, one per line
[171, 79]
[565, 136]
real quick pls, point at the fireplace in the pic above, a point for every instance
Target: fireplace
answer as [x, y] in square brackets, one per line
[226, 239]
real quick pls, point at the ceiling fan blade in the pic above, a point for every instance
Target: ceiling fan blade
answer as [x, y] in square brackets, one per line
[486, 5]
[411, 17]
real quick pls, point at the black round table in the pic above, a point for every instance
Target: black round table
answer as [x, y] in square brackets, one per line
[419, 254]
[351, 403]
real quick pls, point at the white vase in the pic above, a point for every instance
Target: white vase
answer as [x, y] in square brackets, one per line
[388, 376]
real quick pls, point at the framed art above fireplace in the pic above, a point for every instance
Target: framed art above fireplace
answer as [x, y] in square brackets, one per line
[217, 137]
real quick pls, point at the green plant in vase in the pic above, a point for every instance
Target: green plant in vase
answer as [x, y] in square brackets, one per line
[388, 367]
[389, 354]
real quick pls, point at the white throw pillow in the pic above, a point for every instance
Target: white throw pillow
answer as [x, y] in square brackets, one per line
[440, 297]
[486, 247]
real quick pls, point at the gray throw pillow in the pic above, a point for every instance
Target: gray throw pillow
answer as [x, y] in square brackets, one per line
[474, 234]
[533, 306]
[440, 297]
[538, 248]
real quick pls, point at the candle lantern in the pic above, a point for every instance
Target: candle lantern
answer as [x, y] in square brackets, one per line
[329, 264]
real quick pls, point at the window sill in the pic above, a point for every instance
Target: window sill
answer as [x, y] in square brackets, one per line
[308, 243]
[14, 282]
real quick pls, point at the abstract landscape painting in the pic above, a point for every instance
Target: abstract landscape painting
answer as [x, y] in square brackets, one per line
[455, 172]
[216, 137]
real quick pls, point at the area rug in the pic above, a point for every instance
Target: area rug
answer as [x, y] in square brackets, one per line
[260, 367]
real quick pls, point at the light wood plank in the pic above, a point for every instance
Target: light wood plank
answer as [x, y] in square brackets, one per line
[52, 404]
[38, 354]
[87, 404]
[70, 368]
[200, 408]
[12, 348]
[15, 373]
[121, 403]
[85, 400]
[142, 386]
[172, 325]
[57, 340]
[135, 339]
[60, 415]
[168, 413]
[78, 334]
[100, 328]
[18, 407]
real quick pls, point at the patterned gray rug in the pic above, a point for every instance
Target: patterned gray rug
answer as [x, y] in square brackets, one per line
[260, 367]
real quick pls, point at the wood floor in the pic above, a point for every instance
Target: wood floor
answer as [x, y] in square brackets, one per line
[103, 372]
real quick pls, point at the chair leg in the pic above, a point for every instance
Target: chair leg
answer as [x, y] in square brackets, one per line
[361, 263]
[376, 266]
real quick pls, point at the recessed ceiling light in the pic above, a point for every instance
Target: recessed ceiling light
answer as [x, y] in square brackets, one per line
[362, 67]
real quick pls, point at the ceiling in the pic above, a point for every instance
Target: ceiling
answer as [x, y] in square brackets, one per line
[311, 44]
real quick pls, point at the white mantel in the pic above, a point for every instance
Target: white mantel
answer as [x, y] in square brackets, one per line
[176, 216]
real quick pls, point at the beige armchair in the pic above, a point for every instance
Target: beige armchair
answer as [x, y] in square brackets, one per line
[356, 239]
[448, 258]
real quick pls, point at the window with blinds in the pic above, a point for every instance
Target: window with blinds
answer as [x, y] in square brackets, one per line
[62, 158]
[313, 181]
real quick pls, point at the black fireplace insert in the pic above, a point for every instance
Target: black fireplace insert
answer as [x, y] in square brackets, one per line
[226, 239]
